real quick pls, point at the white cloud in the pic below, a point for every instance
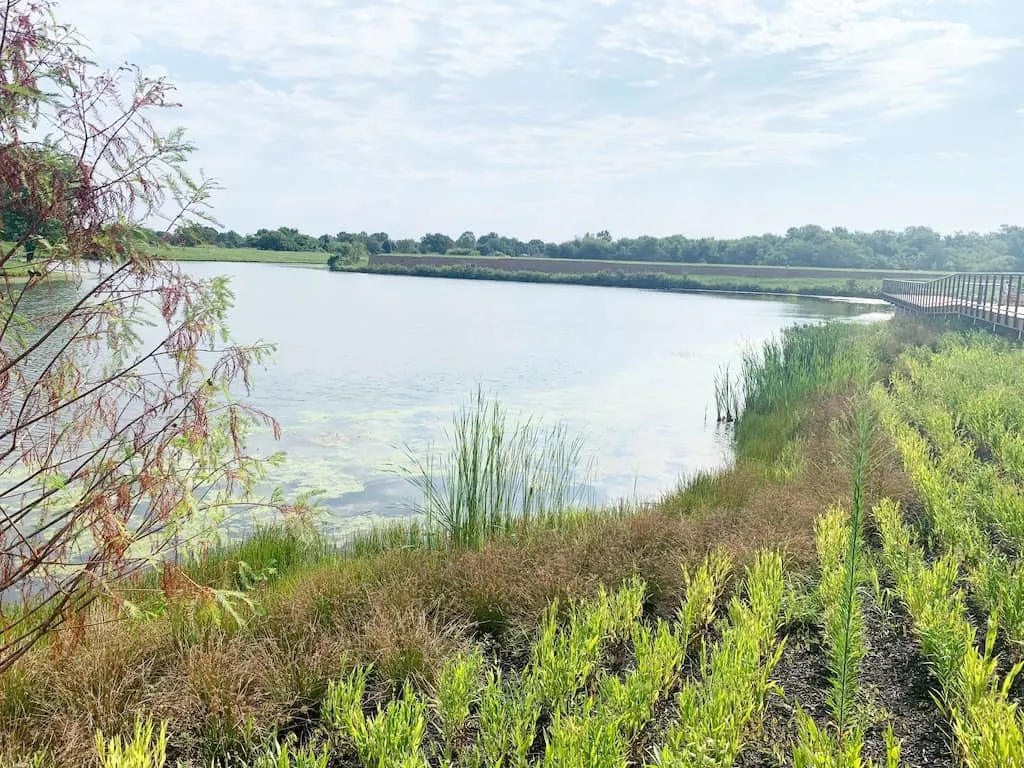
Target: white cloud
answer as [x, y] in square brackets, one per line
[317, 103]
[836, 56]
[312, 39]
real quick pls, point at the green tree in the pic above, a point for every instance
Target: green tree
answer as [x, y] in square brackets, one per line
[229, 239]
[348, 255]
[407, 245]
[435, 242]
[30, 214]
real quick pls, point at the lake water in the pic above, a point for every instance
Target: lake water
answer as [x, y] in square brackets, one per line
[368, 366]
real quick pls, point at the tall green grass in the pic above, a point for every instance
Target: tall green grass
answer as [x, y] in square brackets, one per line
[498, 474]
[766, 397]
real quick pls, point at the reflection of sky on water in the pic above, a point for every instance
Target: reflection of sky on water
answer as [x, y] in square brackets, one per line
[367, 365]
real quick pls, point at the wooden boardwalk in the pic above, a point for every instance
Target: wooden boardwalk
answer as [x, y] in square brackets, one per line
[994, 299]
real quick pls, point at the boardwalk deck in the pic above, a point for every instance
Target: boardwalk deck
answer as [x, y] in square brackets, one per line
[994, 299]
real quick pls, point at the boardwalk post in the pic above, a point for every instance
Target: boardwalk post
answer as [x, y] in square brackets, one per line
[990, 282]
[1001, 303]
[997, 299]
[1017, 307]
[1004, 298]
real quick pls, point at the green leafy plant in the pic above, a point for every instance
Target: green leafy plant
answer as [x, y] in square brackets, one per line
[584, 739]
[988, 726]
[393, 738]
[288, 754]
[457, 690]
[145, 748]
[508, 722]
[715, 711]
[821, 748]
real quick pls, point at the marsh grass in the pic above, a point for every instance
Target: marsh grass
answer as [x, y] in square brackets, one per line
[269, 552]
[498, 475]
[775, 381]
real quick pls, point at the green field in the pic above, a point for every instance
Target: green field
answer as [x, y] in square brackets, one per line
[213, 253]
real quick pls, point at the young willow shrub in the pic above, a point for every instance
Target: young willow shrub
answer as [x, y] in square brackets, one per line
[716, 710]
[458, 688]
[393, 737]
[987, 724]
[146, 748]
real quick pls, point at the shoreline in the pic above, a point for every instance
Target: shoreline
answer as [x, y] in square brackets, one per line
[665, 283]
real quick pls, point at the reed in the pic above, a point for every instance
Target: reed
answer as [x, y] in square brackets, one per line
[766, 398]
[728, 396]
[497, 475]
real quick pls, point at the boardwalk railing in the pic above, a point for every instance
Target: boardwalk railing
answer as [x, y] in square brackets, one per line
[994, 298]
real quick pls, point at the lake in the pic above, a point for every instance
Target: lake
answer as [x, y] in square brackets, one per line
[369, 366]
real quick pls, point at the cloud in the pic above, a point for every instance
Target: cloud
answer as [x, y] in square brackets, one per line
[831, 56]
[312, 39]
[350, 103]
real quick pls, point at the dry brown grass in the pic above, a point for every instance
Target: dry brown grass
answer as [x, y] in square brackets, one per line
[406, 611]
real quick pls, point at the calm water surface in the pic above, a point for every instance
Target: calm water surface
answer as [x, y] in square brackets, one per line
[367, 365]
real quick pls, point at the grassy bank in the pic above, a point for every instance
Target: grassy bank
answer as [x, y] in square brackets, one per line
[255, 255]
[797, 608]
[651, 281]
[678, 268]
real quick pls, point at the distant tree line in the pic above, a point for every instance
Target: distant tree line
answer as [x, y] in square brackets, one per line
[812, 246]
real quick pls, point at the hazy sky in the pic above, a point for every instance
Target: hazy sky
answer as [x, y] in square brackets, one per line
[549, 118]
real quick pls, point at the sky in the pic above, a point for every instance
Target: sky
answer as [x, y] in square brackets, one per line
[552, 118]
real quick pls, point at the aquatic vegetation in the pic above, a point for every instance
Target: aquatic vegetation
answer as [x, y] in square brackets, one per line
[496, 476]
